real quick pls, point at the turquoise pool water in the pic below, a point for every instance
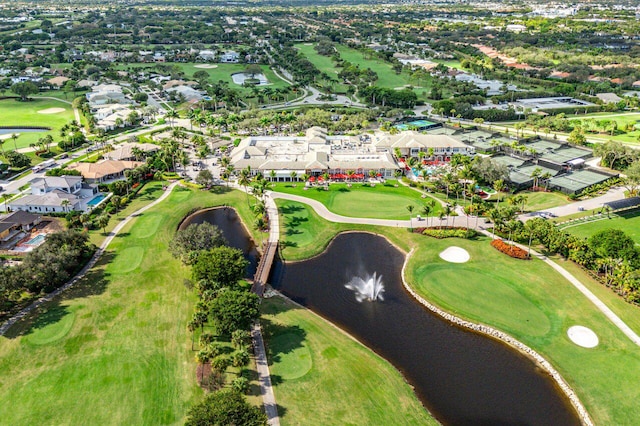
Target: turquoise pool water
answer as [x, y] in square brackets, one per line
[96, 200]
[36, 240]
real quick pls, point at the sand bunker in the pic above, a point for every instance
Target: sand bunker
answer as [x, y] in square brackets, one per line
[582, 336]
[51, 111]
[206, 66]
[455, 255]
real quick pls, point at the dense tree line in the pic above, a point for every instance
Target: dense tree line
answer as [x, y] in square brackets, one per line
[226, 305]
[610, 253]
[44, 269]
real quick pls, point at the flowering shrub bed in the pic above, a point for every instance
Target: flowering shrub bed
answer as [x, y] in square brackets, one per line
[446, 232]
[509, 249]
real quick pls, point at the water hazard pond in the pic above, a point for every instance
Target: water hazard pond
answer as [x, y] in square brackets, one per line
[461, 377]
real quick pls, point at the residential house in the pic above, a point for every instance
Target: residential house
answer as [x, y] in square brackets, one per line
[230, 57]
[126, 151]
[56, 194]
[16, 222]
[104, 171]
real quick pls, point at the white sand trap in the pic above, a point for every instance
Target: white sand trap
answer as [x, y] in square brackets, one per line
[455, 254]
[582, 336]
[206, 66]
[51, 111]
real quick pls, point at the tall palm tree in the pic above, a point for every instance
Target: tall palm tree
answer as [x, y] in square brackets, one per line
[171, 114]
[15, 136]
[426, 210]
[65, 205]
[410, 208]
[244, 179]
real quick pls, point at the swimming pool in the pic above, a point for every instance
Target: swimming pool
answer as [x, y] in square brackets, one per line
[96, 200]
[38, 239]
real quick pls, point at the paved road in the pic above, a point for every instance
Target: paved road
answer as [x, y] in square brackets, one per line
[264, 378]
[103, 247]
[612, 194]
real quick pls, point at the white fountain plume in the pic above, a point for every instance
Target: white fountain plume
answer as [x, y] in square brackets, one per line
[369, 288]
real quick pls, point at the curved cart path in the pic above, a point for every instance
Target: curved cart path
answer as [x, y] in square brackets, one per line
[94, 259]
[322, 210]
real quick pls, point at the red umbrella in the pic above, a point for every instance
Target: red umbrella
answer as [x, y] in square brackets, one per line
[312, 179]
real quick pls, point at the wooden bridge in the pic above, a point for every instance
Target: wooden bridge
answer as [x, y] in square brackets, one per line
[264, 268]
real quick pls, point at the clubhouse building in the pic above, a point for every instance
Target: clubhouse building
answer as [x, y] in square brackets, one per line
[317, 153]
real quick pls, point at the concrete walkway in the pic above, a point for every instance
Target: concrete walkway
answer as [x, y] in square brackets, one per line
[332, 217]
[262, 365]
[264, 376]
[96, 256]
[322, 210]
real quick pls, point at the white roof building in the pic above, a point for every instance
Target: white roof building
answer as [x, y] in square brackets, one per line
[315, 153]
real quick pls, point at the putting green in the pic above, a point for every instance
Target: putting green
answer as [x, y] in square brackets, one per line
[370, 204]
[146, 226]
[293, 360]
[51, 326]
[127, 260]
[487, 288]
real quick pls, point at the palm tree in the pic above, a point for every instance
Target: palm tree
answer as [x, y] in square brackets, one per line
[244, 180]
[499, 186]
[294, 176]
[272, 175]
[546, 176]
[350, 174]
[447, 211]
[171, 114]
[535, 174]
[65, 205]
[103, 221]
[426, 210]
[15, 136]
[410, 208]
[116, 201]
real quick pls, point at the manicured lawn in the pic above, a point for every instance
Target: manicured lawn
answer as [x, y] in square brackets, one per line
[384, 201]
[304, 234]
[16, 113]
[387, 77]
[533, 303]
[537, 201]
[629, 223]
[330, 379]
[115, 349]
[324, 63]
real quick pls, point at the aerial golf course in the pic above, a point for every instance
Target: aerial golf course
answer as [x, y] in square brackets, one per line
[119, 338]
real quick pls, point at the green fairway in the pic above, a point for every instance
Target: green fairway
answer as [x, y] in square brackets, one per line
[533, 303]
[330, 379]
[115, 349]
[325, 64]
[628, 222]
[384, 201]
[15, 113]
[537, 201]
[304, 234]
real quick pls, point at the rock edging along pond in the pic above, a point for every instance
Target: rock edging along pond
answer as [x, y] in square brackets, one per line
[496, 334]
